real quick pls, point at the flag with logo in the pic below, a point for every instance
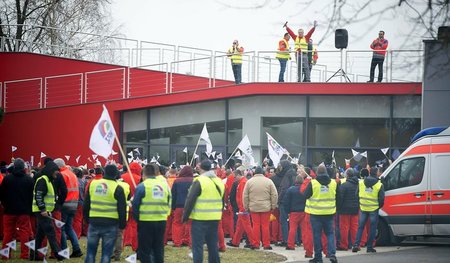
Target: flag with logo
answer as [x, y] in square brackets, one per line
[5, 252]
[131, 258]
[205, 137]
[247, 152]
[102, 136]
[13, 148]
[65, 253]
[31, 244]
[12, 244]
[43, 250]
[276, 151]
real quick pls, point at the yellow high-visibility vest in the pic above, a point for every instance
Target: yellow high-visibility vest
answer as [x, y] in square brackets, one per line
[368, 196]
[126, 189]
[301, 44]
[49, 198]
[155, 205]
[209, 204]
[236, 56]
[103, 203]
[323, 199]
[283, 54]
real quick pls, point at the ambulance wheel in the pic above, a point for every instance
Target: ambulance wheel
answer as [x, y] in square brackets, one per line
[383, 236]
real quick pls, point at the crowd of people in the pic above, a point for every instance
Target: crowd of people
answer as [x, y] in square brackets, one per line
[306, 55]
[290, 205]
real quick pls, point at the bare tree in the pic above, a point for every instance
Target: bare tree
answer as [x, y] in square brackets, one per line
[54, 26]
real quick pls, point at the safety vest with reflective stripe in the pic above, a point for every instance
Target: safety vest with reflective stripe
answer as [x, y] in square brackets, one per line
[209, 203]
[283, 54]
[155, 205]
[301, 44]
[49, 198]
[236, 56]
[126, 189]
[368, 196]
[323, 199]
[73, 192]
[103, 203]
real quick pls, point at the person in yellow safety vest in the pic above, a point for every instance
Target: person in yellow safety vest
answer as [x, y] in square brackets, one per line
[44, 199]
[151, 207]
[283, 55]
[321, 195]
[118, 247]
[235, 54]
[105, 209]
[371, 199]
[301, 47]
[204, 205]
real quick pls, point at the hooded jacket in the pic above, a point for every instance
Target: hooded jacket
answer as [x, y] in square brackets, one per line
[370, 181]
[181, 186]
[323, 179]
[295, 200]
[348, 202]
[17, 193]
[135, 170]
[287, 175]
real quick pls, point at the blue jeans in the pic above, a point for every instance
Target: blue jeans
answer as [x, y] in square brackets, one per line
[284, 223]
[237, 72]
[323, 223]
[202, 231]
[67, 229]
[363, 216]
[283, 63]
[108, 234]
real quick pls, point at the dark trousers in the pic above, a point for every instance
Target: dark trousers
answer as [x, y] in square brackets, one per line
[376, 62]
[151, 241]
[205, 231]
[323, 223]
[44, 227]
[237, 72]
[283, 63]
[363, 217]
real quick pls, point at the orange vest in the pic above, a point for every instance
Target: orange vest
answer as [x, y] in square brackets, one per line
[73, 192]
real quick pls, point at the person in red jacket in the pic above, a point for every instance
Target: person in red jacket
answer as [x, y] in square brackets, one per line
[132, 178]
[243, 223]
[227, 215]
[379, 47]
[301, 47]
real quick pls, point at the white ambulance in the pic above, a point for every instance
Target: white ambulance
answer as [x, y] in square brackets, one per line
[417, 187]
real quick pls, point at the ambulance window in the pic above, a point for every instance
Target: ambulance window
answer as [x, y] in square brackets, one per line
[408, 172]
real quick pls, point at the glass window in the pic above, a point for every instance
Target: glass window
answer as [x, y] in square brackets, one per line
[403, 130]
[406, 173]
[287, 131]
[161, 153]
[188, 134]
[350, 106]
[234, 134]
[135, 126]
[407, 106]
[346, 132]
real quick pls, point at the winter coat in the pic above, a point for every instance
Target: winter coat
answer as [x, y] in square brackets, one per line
[348, 201]
[17, 193]
[294, 199]
[260, 194]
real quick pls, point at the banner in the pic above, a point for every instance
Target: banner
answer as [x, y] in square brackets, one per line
[102, 136]
[276, 151]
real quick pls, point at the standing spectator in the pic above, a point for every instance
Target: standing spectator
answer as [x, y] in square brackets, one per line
[43, 205]
[204, 206]
[348, 208]
[16, 195]
[69, 208]
[371, 199]
[105, 211]
[235, 54]
[321, 205]
[379, 47]
[260, 198]
[228, 214]
[118, 246]
[295, 202]
[283, 55]
[313, 56]
[181, 232]
[78, 219]
[132, 178]
[301, 47]
[151, 207]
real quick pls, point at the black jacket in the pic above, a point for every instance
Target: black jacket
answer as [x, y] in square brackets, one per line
[17, 193]
[348, 201]
[370, 181]
[285, 179]
[294, 200]
[119, 195]
[60, 190]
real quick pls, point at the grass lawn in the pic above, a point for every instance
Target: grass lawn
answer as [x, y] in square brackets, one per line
[180, 255]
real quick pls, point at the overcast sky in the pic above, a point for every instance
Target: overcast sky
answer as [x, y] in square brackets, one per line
[211, 25]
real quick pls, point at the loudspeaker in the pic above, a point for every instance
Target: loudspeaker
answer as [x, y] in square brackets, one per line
[341, 38]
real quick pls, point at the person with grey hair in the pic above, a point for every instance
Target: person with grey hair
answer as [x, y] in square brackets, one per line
[69, 208]
[16, 195]
[321, 205]
[348, 207]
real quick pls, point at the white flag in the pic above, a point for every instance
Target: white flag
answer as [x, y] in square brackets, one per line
[364, 154]
[131, 258]
[248, 160]
[219, 156]
[43, 155]
[13, 148]
[356, 155]
[12, 244]
[130, 160]
[78, 158]
[31, 244]
[130, 154]
[205, 137]
[276, 151]
[237, 154]
[185, 150]
[114, 152]
[102, 136]
[44, 260]
[94, 156]
[43, 250]
[385, 150]
[67, 157]
[195, 156]
[137, 150]
[65, 253]
[97, 162]
[145, 162]
[5, 252]
[357, 145]
[213, 154]
[59, 223]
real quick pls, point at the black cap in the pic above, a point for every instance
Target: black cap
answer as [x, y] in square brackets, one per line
[205, 165]
[111, 171]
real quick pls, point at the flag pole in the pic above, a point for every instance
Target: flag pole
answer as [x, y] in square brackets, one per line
[125, 160]
[231, 156]
[187, 155]
[196, 147]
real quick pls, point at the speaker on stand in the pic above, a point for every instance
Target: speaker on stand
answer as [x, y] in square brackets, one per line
[340, 42]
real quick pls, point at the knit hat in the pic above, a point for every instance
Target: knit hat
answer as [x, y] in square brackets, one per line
[111, 171]
[186, 172]
[205, 165]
